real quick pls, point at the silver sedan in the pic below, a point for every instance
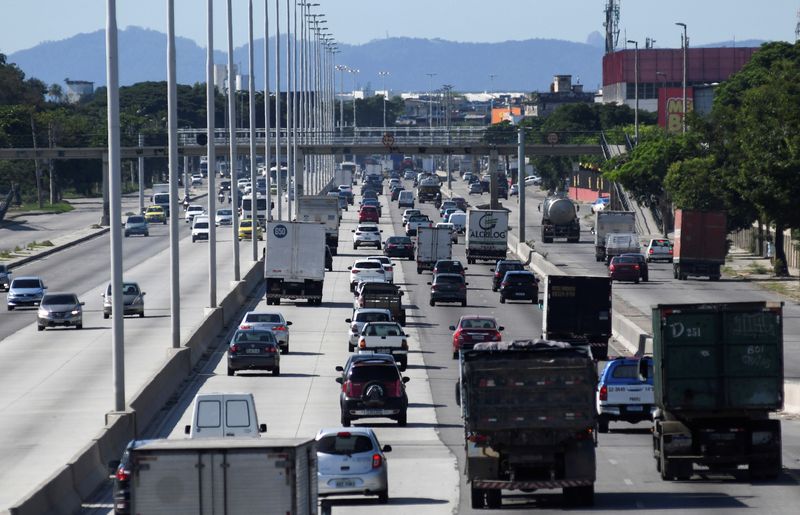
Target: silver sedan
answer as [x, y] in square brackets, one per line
[270, 321]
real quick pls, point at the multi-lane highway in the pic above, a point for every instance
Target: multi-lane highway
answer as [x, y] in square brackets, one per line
[425, 467]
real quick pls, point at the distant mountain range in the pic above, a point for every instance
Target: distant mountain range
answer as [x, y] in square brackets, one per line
[527, 65]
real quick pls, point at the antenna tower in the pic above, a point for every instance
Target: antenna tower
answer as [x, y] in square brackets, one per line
[612, 25]
[797, 27]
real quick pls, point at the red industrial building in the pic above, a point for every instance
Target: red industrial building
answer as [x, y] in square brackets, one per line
[661, 76]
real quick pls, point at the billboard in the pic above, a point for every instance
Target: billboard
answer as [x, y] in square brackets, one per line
[670, 107]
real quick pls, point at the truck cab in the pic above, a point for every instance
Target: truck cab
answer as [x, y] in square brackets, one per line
[224, 415]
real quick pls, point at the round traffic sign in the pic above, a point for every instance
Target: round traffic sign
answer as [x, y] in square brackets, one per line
[552, 138]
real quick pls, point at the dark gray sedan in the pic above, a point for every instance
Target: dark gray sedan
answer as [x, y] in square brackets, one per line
[254, 349]
[448, 288]
[132, 300]
[136, 225]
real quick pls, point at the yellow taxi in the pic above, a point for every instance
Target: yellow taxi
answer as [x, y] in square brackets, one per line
[155, 214]
[246, 230]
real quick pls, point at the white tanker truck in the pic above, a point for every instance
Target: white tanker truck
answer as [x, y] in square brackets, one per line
[560, 219]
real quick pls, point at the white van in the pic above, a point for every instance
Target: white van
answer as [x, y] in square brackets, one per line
[224, 415]
[405, 199]
[459, 221]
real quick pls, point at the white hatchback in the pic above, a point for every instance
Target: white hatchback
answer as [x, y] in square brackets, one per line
[367, 234]
[351, 461]
[388, 267]
[366, 270]
[192, 211]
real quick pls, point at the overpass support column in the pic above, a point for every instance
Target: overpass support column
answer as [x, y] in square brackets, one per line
[521, 181]
[493, 161]
[300, 175]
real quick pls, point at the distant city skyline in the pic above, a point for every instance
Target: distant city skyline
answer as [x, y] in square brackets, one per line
[22, 25]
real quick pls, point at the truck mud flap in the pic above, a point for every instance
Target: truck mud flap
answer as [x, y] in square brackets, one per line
[530, 485]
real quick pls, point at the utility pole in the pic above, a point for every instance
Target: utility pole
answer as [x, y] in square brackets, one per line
[385, 94]
[636, 81]
[521, 181]
[685, 46]
[430, 99]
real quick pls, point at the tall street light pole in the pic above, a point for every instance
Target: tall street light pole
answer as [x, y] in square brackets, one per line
[636, 81]
[172, 117]
[685, 46]
[232, 132]
[491, 92]
[278, 167]
[342, 69]
[267, 113]
[354, 72]
[251, 93]
[212, 156]
[385, 94]
[430, 99]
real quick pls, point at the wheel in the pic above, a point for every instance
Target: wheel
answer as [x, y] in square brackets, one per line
[379, 246]
[579, 495]
[10, 308]
[493, 499]
[105, 315]
[141, 315]
[432, 302]
[193, 239]
[455, 354]
[126, 235]
[383, 497]
[355, 247]
[646, 278]
[714, 278]
[463, 303]
[476, 498]
[419, 270]
[402, 419]
[146, 234]
[276, 301]
[350, 347]
[40, 327]
[602, 425]
[345, 420]
[231, 371]
[636, 281]
[285, 350]
[79, 326]
[276, 371]
[502, 300]
[403, 365]
[494, 288]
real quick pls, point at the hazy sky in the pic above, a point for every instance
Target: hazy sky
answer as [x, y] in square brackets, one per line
[24, 23]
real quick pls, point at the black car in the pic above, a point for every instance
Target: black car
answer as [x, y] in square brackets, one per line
[368, 191]
[396, 192]
[500, 269]
[399, 247]
[448, 288]
[519, 285]
[355, 358]
[254, 349]
[373, 388]
[120, 472]
[448, 266]
[644, 273]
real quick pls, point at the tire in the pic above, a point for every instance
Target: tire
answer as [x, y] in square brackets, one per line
[350, 348]
[378, 247]
[463, 303]
[476, 498]
[40, 328]
[141, 315]
[502, 300]
[105, 315]
[126, 235]
[345, 420]
[276, 371]
[276, 301]
[383, 497]
[355, 247]
[636, 281]
[494, 499]
[455, 354]
[403, 365]
[146, 234]
[419, 271]
[493, 288]
[579, 495]
[432, 302]
[402, 419]
[231, 372]
[602, 424]
[79, 326]
[193, 239]
[10, 308]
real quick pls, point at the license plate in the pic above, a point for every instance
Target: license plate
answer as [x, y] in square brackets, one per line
[520, 294]
[383, 350]
[344, 483]
[635, 408]
[373, 411]
[254, 351]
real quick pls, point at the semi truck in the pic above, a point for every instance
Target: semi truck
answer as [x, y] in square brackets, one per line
[428, 189]
[717, 376]
[486, 234]
[700, 244]
[324, 210]
[529, 418]
[433, 244]
[610, 222]
[294, 267]
[560, 219]
[221, 476]
[577, 310]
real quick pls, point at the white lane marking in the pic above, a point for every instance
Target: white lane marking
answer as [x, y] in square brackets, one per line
[628, 482]
[613, 462]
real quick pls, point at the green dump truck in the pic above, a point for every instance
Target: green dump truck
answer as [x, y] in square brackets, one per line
[529, 419]
[718, 374]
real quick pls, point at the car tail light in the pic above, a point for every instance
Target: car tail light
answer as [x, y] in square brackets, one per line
[271, 350]
[497, 336]
[611, 268]
[279, 328]
[388, 269]
[604, 393]
[670, 250]
[355, 270]
[435, 271]
[650, 251]
[504, 283]
[234, 348]
[343, 434]
[477, 438]
[362, 343]
[348, 388]
[462, 287]
[377, 461]
[434, 288]
[123, 474]
[636, 267]
[497, 274]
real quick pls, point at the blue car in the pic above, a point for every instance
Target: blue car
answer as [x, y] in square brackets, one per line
[622, 395]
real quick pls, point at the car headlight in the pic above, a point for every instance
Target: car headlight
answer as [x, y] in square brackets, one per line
[43, 313]
[76, 311]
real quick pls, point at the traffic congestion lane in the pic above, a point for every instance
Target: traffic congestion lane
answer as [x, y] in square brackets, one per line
[578, 259]
[56, 385]
[423, 475]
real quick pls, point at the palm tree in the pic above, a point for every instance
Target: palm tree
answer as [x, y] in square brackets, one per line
[56, 93]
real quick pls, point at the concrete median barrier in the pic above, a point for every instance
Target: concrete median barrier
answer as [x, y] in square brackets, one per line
[56, 496]
[791, 396]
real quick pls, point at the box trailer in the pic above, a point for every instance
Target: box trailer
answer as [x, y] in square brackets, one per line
[294, 267]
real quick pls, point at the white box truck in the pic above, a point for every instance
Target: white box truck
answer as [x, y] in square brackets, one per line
[344, 175]
[486, 234]
[324, 210]
[609, 222]
[223, 476]
[295, 262]
[433, 244]
[161, 197]
[246, 211]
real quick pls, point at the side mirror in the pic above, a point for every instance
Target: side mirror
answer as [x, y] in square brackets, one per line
[429, 284]
[644, 370]
[452, 328]
[340, 380]
[187, 429]
[466, 268]
[288, 323]
[348, 320]
[82, 303]
[501, 328]
[466, 284]
[406, 379]
[352, 230]
[340, 368]
[387, 448]
[143, 293]
[349, 267]
[262, 428]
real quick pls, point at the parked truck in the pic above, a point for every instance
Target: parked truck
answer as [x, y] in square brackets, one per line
[560, 219]
[486, 234]
[294, 267]
[609, 222]
[529, 418]
[433, 244]
[324, 210]
[221, 476]
[577, 310]
[717, 376]
[700, 244]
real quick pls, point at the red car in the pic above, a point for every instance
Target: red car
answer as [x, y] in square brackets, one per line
[624, 268]
[368, 214]
[472, 329]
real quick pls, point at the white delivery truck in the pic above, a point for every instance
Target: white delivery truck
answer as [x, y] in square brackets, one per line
[487, 234]
[223, 476]
[261, 209]
[161, 197]
[324, 210]
[295, 262]
[433, 244]
[224, 415]
[609, 222]
[344, 175]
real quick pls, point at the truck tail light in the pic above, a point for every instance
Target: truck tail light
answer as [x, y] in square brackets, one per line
[377, 461]
[604, 393]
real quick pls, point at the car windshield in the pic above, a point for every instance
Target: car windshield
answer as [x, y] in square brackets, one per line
[448, 265]
[246, 223]
[372, 317]
[419, 218]
[263, 318]
[344, 444]
[224, 212]
[520, 278]
[59, 299]
[399, 239]
[26, 283]
[626, 371]
[449, 279]
[660, 243]
[626, 259]
[254, 336]
[201, 225]
[130, 289]
[383, 330]
[368, 228]
[478, 323]
[135, 219]
[368, 264]
[365, 373]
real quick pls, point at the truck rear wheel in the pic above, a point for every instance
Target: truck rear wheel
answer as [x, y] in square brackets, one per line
[493, 499]
[476, 496]
[579, 495]
[602, 424]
